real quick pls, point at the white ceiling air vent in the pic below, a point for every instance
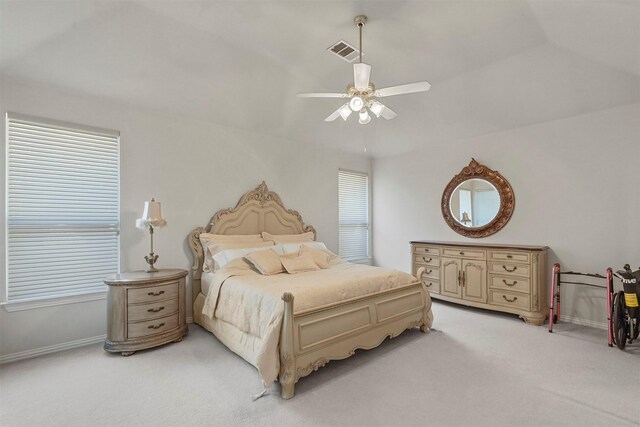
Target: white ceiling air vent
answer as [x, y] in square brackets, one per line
[345, 51]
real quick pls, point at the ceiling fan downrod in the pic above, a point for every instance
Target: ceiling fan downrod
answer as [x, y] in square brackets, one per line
[360, 20]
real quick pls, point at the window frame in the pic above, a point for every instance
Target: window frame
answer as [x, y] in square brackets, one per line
[369, 259]
[70, 297]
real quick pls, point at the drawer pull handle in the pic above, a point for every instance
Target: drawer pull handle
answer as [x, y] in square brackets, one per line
[155, 294]
[161, 325]
[509, 256]
[155, 310]
[461, 253]
[428, 285]
[515, 282]
[510, 271]
[429, 271]
[509, 300]
[426, 260]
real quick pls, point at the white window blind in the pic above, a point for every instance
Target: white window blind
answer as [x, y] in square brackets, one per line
[63, 208]
[353, 203]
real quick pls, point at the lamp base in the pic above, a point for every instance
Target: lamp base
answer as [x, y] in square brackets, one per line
[151, 259]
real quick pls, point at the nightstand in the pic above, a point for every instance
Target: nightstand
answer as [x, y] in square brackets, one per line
[145, 310]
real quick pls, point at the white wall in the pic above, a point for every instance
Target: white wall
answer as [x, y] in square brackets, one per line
[194, 168]
[576, 185]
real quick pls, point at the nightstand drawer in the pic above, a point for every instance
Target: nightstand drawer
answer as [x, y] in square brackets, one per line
[153, 293]
[427, 259]
[152, 327]
[152, 310]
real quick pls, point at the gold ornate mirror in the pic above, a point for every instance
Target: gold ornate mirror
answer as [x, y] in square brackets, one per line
[478, 201]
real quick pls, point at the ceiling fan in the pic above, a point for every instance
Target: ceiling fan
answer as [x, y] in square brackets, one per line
[362, 93]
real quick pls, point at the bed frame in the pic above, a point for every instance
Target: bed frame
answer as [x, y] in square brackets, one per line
[311, 338]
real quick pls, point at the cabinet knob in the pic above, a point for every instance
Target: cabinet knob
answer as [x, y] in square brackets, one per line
[509, 256]
[461, 253]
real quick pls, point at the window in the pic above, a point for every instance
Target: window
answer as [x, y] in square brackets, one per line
[353, 206]
[63, 208]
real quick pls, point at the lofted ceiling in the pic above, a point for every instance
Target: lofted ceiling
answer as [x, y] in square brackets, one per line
[493, 65]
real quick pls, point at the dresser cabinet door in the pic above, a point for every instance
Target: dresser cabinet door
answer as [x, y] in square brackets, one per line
[475, 280]
[451, 268]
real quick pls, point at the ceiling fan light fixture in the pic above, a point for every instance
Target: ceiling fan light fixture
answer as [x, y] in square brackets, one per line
[345, 111]
[356, 103]
[376, 108]
[364, 117]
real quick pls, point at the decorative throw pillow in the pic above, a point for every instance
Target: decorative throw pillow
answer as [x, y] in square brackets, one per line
[289, 238]
[320, 257]
[267, 262]
[299, 264]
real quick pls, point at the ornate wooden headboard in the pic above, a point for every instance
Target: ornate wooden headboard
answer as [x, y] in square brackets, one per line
[257, 211]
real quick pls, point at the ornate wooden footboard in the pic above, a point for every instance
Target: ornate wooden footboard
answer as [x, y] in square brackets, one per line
[309, 339]
[314, 337]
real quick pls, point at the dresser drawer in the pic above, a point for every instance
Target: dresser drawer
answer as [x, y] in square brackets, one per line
[427, 259]
[152, 293]
[465, 253]
[509, 299]
[510, 283]
[426, 250]
[151, 310]
[152, 327]
[510, 269]
[510, 256]
[433, 286]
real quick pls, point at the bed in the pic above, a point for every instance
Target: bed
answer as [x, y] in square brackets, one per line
[320, 327]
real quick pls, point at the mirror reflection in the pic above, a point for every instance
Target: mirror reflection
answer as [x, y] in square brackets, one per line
[474, 203]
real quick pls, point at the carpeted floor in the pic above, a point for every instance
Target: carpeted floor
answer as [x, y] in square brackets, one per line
[476, 369]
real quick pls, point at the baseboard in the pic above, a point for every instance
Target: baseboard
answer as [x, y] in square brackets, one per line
[583, 322]
[27, 354]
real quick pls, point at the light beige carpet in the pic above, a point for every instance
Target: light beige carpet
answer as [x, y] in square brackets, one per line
[476, 369]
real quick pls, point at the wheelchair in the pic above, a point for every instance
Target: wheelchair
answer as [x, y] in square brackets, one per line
[624, 317]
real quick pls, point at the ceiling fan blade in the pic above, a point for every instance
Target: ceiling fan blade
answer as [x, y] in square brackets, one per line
[361, 75]
[322, 95]
[333, 116]
[388, 113]
[402, 89]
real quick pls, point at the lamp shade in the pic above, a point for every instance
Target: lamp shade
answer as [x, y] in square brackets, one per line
[152, 215]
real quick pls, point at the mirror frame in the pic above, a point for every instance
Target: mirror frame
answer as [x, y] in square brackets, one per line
[507, 200]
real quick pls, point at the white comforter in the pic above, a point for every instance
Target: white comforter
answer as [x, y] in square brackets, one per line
[253, 303]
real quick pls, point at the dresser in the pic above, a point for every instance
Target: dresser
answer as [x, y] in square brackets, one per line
[145, 310]
[507, 278]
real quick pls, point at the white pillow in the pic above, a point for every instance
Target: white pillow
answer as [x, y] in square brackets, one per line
[214, 248]
[224, 257]
[231, 240]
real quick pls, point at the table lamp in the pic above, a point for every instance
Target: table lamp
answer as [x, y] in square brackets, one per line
[151, 218]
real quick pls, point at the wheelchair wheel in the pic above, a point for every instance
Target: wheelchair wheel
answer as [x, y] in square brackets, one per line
[636, 331]
[618, 321]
